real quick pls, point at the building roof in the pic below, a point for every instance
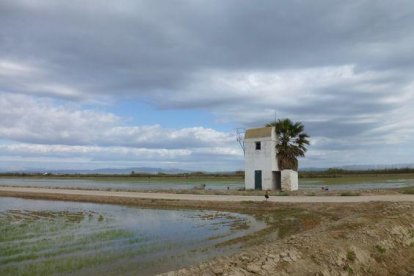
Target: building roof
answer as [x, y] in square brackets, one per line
[258, 132]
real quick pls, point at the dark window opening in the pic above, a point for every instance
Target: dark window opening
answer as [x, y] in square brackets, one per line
[258, 146]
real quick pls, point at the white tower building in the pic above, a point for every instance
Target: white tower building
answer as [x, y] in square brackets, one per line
[261, 166]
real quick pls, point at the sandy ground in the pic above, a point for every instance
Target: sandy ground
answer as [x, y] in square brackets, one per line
[220, 198]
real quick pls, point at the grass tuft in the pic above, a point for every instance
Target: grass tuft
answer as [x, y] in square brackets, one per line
[351, 256]
[380, 249]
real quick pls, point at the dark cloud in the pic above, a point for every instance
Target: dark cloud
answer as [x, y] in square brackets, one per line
[137, 46]
[337, 130]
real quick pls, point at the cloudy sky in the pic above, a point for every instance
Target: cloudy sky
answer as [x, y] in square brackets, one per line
[92, 84]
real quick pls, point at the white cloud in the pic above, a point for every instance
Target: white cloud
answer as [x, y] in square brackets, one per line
[37, 79]
[92, 152]
[89, 157]
[341, 93]
[27, 119]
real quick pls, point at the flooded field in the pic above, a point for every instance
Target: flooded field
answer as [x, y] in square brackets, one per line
[354, 184]
[148, 184]
[49, 237]
[122, 183]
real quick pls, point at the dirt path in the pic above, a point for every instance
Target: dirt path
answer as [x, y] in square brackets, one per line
[191, 197]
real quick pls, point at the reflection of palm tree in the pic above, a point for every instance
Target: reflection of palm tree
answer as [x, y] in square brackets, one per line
[291, 143]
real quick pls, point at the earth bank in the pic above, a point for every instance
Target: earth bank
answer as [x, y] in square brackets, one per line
[361, 239]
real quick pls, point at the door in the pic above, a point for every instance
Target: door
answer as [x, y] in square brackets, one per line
[277, 177]
[257, 180]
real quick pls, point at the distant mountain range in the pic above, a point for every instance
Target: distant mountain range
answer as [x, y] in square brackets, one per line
[103, 171]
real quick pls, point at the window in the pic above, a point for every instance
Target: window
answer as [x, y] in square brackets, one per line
[258, 145]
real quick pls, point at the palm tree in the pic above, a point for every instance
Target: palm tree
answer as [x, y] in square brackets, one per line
[291, 143]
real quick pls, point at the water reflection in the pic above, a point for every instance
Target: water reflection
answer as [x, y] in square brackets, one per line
[121, 184]
[52, 237]
[142, 184]
[364, 185]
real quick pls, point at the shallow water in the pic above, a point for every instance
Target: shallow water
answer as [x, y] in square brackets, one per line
[150, 184]
[119, 184]
[41, 237]
[365, 185]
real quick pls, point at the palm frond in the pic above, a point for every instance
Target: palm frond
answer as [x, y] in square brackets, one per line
[291, 142]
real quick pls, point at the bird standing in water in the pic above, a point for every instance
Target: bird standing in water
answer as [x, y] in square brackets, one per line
[267, 195]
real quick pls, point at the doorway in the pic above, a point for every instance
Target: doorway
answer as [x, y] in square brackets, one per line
[257, 180]
[277, 180]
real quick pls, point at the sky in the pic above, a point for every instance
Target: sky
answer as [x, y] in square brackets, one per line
[95, 84]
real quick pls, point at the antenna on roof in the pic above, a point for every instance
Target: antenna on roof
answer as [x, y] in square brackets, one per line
[240, 137]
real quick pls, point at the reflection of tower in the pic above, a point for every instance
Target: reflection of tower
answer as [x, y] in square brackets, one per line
[240, 137]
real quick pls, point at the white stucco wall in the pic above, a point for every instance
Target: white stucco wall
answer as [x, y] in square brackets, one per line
[290, 181]
[263, 159]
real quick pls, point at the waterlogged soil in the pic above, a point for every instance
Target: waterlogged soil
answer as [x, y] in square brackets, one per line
[41, 237]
